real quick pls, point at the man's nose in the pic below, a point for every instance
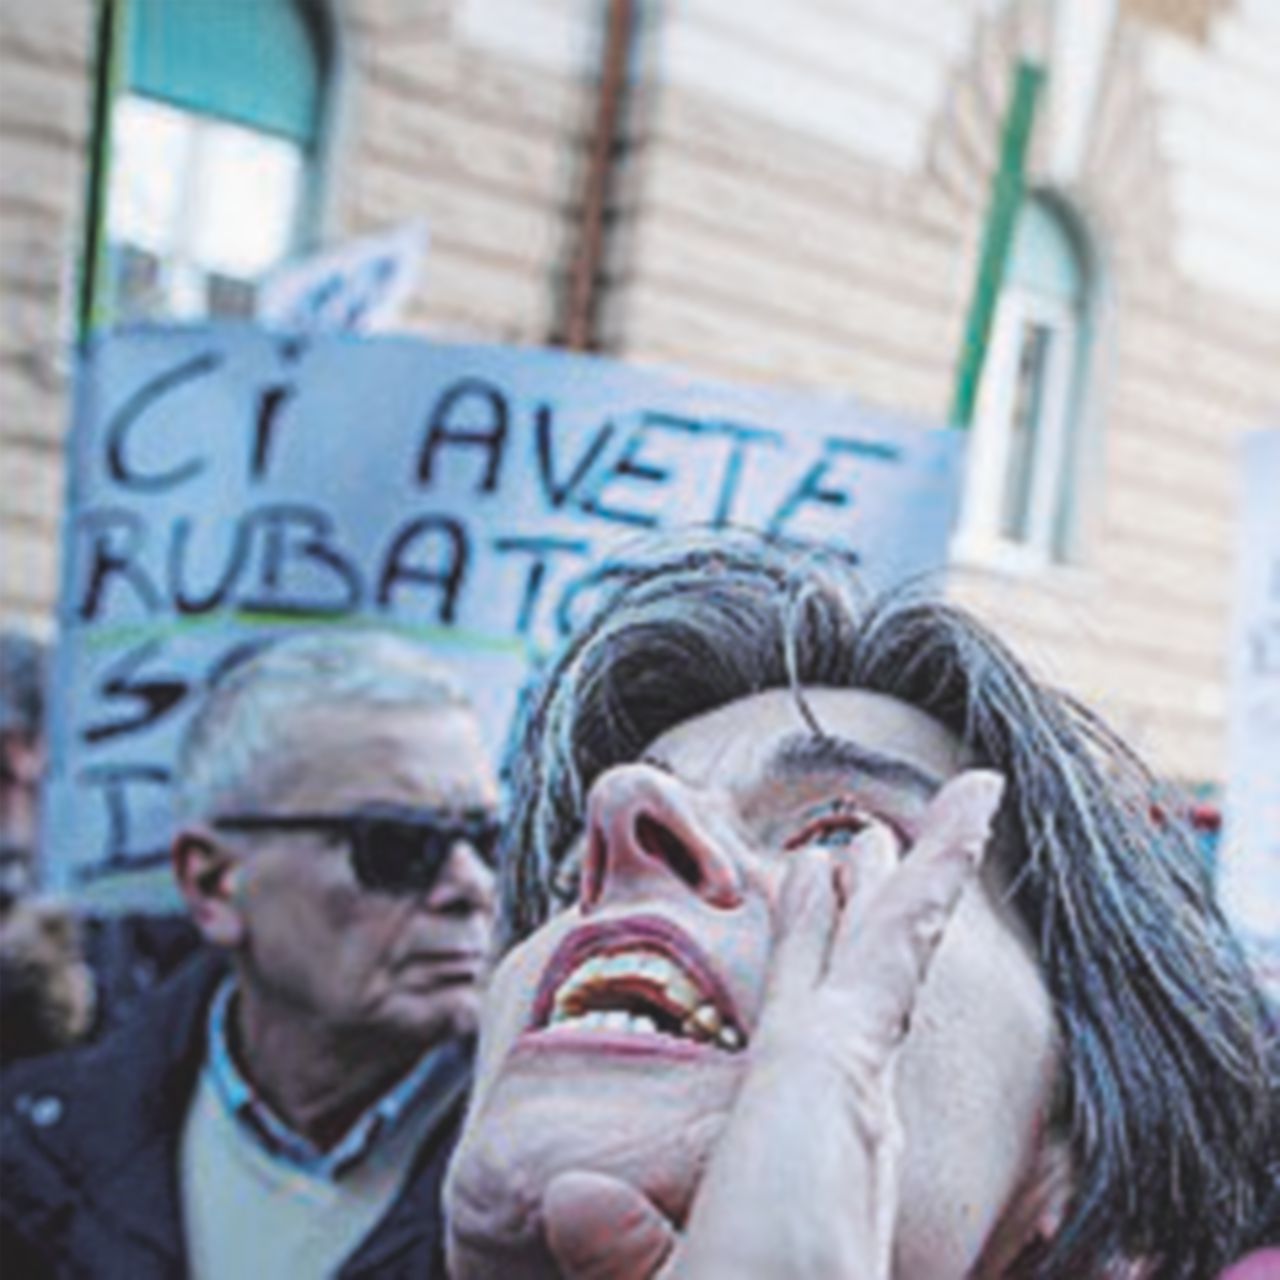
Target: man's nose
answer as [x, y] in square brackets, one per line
[465, 883]
[645, 836]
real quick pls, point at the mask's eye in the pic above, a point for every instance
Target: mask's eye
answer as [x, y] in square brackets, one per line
[840, 827]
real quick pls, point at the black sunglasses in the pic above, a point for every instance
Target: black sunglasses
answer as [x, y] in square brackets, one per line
[394, 848]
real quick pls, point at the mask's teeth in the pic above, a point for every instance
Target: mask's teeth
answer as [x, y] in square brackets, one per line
[703, 1023]
[705, 1026]
[680, 991]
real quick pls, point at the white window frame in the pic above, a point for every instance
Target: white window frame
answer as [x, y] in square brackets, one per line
[979, 538]
[183, 282]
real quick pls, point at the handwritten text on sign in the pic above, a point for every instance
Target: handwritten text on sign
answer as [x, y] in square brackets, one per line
[227, 481]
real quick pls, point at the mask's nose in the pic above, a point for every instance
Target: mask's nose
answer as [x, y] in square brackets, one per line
[645, 838]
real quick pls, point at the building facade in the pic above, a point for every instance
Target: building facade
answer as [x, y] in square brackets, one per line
[1056, 225]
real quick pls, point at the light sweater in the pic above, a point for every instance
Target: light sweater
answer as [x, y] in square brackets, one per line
[248, 1215]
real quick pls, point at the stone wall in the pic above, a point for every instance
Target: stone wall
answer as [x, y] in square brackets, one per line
[44, 124]
[435, 124]
[799, 203]
[758, 250]
[1139, 622]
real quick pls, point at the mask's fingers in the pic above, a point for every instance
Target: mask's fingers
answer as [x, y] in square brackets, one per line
[863, 868]
[806, 916]
[600, 1228]
[883, 957]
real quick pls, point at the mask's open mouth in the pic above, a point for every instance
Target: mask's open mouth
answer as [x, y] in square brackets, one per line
[640, 978]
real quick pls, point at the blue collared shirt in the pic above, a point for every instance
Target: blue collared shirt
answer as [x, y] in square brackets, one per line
[277, 1139]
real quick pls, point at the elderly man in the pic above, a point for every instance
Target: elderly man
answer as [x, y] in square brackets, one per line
[768, 1010]
[285, 1108]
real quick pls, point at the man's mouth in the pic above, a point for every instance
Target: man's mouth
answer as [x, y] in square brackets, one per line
[640, 977]
[446, 966]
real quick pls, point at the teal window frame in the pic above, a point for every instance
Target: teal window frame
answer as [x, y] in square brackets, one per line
[223, 65]
[1046, 295]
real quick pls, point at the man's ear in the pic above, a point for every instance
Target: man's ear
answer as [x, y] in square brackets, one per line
[1033, 1215]
[207, 876]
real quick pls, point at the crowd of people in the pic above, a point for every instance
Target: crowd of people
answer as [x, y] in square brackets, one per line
[806, 935]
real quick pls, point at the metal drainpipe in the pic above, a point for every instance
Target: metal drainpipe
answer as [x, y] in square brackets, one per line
[1006, 197]
[107, 79]
[582, 291]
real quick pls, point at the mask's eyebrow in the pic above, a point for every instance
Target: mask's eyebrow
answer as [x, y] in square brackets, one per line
[803, 755]
[656, 762]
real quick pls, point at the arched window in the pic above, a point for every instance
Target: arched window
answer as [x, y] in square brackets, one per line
[213, 138]
[1019, 490]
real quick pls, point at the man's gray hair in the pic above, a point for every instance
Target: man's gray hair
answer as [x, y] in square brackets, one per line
[232, 749]
[1168, 1085]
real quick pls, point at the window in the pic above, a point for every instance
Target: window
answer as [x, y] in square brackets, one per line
[211, 147]
[1022, 456]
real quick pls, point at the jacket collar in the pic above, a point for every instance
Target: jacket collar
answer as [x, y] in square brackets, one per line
[277, 1139]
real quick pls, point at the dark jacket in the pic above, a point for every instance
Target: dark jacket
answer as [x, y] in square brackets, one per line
[89, 1155]
[132, 954]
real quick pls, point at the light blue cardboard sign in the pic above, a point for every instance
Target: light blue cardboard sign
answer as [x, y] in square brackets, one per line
[227, 482]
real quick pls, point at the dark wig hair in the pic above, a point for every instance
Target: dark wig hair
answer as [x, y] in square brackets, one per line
[1168, 1078]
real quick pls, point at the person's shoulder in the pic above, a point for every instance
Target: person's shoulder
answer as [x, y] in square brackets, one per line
[37, 1152]
[78, 1098]
[51, 1103]
[33, 1091]
[63, 1127]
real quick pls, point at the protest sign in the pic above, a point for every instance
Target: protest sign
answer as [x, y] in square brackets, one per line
[1250, 862]
[360, 287]
[227, 482]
